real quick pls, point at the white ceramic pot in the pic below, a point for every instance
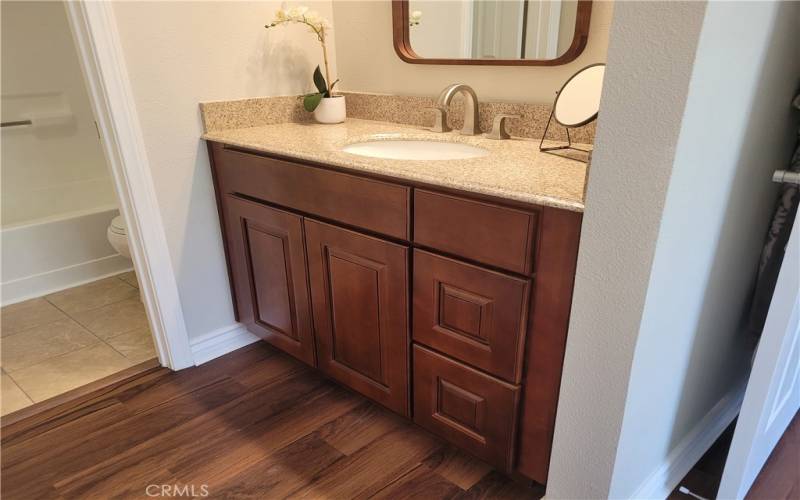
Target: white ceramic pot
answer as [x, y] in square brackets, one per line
[331, 110]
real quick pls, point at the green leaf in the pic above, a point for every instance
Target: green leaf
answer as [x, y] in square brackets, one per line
[311, 101]
[319, 81]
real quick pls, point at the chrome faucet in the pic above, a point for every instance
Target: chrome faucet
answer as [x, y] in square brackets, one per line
[470, 106]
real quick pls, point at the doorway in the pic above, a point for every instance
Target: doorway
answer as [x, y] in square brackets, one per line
[71, 303]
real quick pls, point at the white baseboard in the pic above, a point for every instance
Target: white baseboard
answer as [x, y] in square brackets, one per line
[692, 447]
[220, 342]
[56, 280]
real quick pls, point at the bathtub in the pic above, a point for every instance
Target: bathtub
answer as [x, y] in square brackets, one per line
[50, 254]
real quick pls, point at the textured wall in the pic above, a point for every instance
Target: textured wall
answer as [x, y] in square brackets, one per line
[692, 349]
[368, 63]
[651, 49]
[205, 51]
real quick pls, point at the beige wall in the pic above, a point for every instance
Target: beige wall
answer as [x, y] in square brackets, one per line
[650, 55]
[679, 200]
[178, 54]
[367, 60]
[692, 349]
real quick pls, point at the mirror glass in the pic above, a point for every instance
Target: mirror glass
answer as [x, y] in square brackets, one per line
[491, 29]
[579, 99]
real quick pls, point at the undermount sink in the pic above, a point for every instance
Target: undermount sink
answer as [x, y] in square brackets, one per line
[415, 150]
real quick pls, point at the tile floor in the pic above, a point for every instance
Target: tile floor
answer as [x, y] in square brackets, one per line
[67, 339]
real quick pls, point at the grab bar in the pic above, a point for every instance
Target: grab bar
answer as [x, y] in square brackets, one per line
[17, 123]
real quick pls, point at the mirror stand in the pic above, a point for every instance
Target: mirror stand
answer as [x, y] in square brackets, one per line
[567, 146]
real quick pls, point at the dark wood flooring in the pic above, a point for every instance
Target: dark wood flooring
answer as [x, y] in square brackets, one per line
[252, 424]
[779, 479]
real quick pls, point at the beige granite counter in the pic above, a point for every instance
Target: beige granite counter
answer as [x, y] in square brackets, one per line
[514, 169]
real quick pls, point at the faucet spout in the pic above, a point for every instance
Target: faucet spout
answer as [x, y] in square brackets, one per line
[471, 118]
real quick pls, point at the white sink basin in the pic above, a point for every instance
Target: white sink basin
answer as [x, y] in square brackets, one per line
[415, 150]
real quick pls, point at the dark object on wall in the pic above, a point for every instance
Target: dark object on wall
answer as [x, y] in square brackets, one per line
[775, 244]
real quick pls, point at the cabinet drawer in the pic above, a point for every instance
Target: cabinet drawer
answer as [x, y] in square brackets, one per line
[476, 315]
[498, 236]
[468, 408]
[366, 203]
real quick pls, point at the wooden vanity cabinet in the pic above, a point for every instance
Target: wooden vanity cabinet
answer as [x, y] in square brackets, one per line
[448, 308]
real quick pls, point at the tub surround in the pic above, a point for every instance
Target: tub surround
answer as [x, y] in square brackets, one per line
[515, 169]
[440, 289]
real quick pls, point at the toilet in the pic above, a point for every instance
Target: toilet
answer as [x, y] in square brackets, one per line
[117, 234]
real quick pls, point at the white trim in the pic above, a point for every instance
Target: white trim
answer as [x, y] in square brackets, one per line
[220, 342]
[692, 447]
[56, 280]
[94, 29]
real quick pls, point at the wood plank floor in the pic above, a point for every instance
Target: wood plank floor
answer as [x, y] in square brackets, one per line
[252, 424]
[779, 479]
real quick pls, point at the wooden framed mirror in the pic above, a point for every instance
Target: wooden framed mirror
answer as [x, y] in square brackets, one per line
[490, 32]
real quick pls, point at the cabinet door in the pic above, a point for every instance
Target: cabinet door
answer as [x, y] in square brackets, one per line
[267, 260]
[359, 291]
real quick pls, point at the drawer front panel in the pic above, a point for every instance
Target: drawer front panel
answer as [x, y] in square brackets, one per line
[473, 314]
[373, 205]
[495, 235]
[468, 408]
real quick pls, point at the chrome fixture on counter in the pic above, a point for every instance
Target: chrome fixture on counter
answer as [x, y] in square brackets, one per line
[499, 127]
[471, 123]
[440, 119]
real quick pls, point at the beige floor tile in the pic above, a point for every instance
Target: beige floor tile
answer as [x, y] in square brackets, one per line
[129, 278]
[114, 319]
[136, 345]
[92, 295]
[12, 397]
[27, 314]
[39, 343]
[58, 375]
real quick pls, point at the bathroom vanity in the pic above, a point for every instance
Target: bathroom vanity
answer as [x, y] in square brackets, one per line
[439, 289]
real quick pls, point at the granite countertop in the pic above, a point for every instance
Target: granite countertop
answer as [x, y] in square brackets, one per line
[515, 169]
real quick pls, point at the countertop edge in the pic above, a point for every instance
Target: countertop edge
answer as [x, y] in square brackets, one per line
[540, 200]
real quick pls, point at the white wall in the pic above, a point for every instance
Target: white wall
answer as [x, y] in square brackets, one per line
[650, 55]
[367, 60]
[692, 348]
[178, 54]
[57, 168]
[696, 116]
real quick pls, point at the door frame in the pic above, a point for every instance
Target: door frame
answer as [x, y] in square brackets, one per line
[97, 41]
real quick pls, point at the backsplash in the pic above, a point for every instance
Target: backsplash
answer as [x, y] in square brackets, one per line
[408, 110]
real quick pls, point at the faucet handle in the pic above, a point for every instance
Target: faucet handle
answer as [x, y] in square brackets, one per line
[440, 119]
[499, 126]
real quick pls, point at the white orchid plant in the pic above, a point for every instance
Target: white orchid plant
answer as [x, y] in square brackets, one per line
[415, 18]
[320, 27]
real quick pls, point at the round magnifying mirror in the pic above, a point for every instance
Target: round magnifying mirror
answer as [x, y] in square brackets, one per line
[578, 100]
